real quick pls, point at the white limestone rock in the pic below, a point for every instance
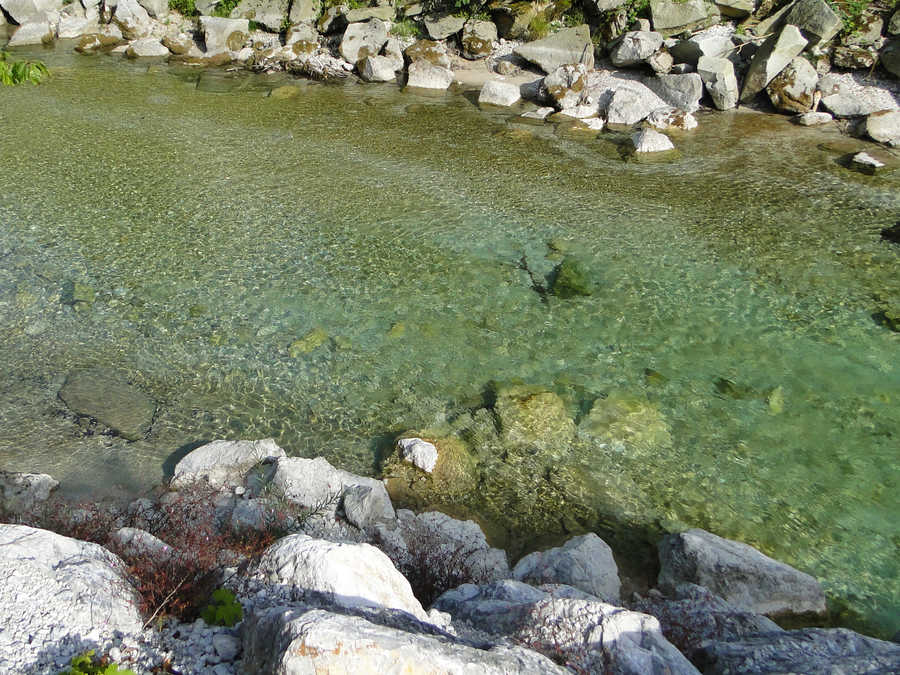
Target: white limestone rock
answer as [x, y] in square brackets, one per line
[349, 575]
[770, 59]
[76, 26]
[416, 451]
[31, 34]
[30, 11]
[813, 119]
[666, 118]
[132, 19]
[565, 85]
[635, 47]
[585, 562]
[21, 492]
[424, 75]
[223, 35]
[650, 140]
[224, 464]
[720, 81]
[284, 640]
[363, 39]
[682, 91]
[499, 93]
[134, 542]
[55, 589]
[146, 47]
[884, 126]
[739, 574]
[569, 45]
[377, 69]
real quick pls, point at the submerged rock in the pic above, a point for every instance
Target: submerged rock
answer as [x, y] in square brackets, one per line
[111, 401]
[532, 417]
[738, 573]
[626, 424]
[572, 278]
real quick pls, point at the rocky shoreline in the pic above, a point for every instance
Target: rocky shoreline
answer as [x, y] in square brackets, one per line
[340, 581]
[606, 63]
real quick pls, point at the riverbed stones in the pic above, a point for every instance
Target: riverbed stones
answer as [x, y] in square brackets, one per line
[569, 45]
[681, 91]
[35, 33]
[671, 17]
[708, 43]
[720, 81]
[378, 69]
[635, 47]
[441, 27]
[270, 14]
[771, 58]
[651, 140]
[29, 11]
[286, 640]
[75, 26]
[363, 39]
[223, 35]
[499, 93]
[847, 105]
[884, 127]
[146, 47]
[419, 453]
[478, 38]
[425, 75]
[533, 417]
[794, 88]
[109, 399]
[224, 464]
[348, 575]
[21, 492]
[812, 119]
[811, 650]
[54, 590]
[669, 118]
[815, 19]
[584, 562]
[132, 19]
[739, 574]
[865, 163]
[629, 106]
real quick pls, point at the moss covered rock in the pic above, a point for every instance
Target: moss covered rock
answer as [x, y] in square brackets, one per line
[627, 424]
[572, 278]
[533, 417]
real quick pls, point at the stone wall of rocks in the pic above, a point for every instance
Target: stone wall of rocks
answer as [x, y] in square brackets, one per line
[331, 596]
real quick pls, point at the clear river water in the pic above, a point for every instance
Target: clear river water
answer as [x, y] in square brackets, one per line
[736, 285]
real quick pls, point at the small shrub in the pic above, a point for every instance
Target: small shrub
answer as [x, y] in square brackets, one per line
[407, 27]
[223, 610]
[19, 72]
[224, 8]
[88, 664]
[538, 27]
[184, 7]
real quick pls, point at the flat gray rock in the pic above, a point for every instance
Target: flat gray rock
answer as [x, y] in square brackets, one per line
[681, 91]
[671, 17]
[442, 27]
[884, 126]
[720, 81]
[635, 47]
[270, 14]
[739, 574]
[224, 463]
[29, 11]
[20, 492]
[363, 39]
[110, 400]
[568, 46]
[816, 20]
[811, 650]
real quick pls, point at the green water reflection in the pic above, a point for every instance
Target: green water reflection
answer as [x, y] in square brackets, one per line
[218, 226]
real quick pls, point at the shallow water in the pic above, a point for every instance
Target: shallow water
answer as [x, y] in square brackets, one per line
[217, 225]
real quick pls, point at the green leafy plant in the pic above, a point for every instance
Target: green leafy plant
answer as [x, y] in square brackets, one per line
[18, 72]
[184, 7]
[538, 27]
[851, 13]
[223, 610]
[224, 8]
[407, 27]
[87, 663]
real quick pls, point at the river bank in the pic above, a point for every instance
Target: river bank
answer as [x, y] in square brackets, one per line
[312, 556]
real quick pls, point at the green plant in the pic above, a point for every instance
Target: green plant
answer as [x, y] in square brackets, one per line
[87, 663]
[538, 27]
[224, 8]
[407, 27]
[223, 609]
[184, 7]
[851, 13]
[285, 25]
[17, 72]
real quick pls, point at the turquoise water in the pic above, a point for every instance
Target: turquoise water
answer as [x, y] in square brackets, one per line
[217, 225]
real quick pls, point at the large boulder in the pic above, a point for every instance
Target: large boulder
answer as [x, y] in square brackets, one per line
[35, 33]
[441, 27]
[681, 91]
[111, 400]
[53, 591]
[75, 26]
[500, 93]
[720, 81]
[145, 47]
[304, 11]
[569, 45]
[847, 105]
[424, 75]
[133, 19]
[302, 640]
[635, 47]
[512, 17]
[378, 69]
[811, 650]
[270, 14]
[224, 464]
[794, 88]
[223, 35]
[738, 573]
[349, 575]
[428, 50]
[708, 43]
[884, 126]
[363, 39]
[585, 562]
[816, 20]
[384, 12]
[478, 38]
[889, 57]
[771, 58]
[592, 636]
[671, 17]
[29, 11]
[316, 485]
[565, 85]
[694, 615]
[21, 492]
